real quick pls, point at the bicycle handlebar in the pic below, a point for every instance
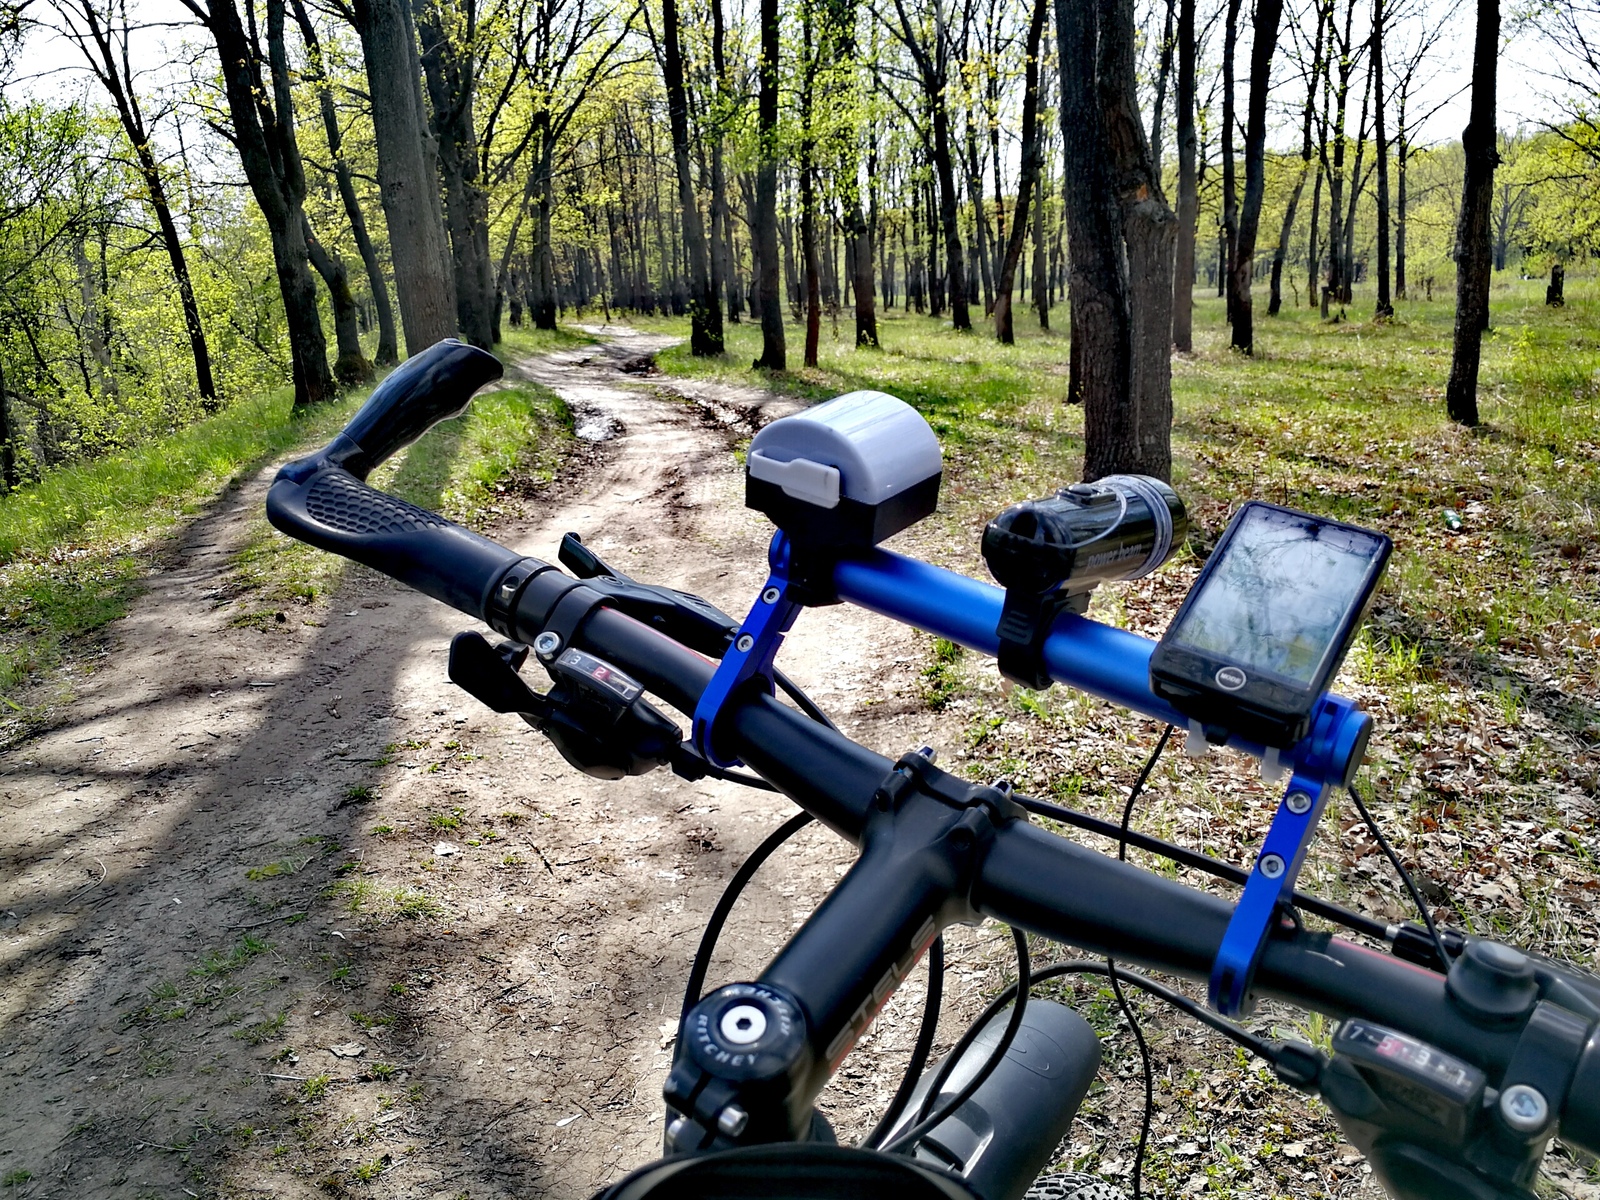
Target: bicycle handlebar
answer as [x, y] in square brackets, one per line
[1029, 877]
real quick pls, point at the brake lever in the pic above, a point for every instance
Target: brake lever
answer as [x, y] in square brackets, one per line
[682, 616]
[595, 714]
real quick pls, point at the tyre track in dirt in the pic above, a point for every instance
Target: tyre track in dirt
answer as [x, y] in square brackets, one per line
[213, 781]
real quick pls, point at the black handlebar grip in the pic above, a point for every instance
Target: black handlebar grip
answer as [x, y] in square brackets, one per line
[425, 389]
[323, 501]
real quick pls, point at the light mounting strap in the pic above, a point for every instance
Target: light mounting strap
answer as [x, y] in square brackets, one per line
[751, 654]
[1324, 759]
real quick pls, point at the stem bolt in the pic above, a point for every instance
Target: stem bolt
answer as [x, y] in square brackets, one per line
[744, 643]
[1522, 1107]
[1272, 866]
[546, 644]
[732, 1120]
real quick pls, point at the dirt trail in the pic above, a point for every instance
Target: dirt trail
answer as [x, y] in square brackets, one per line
[478, 999]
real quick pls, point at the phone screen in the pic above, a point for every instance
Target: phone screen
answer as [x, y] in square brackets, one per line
[1280, 593]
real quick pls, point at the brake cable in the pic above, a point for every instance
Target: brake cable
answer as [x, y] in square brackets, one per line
[1116, 983]
[1020, 989]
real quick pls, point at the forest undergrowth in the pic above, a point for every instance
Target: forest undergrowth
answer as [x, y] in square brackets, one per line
[1477, 662]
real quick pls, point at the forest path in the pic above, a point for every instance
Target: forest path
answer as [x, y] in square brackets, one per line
[478, 998]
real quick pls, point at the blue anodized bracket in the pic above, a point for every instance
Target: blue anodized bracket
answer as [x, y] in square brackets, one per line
[1324, 759]
[751, 655]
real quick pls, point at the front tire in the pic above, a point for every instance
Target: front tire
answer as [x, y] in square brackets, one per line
[1072, 1185]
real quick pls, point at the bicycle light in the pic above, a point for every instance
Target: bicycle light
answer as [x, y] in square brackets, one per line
[1119, 527]
[848, 473]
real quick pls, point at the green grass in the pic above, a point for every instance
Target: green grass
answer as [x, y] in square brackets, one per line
[75, 547]
[1477, 660]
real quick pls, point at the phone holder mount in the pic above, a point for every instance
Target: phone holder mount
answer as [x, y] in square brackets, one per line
[1327, 757]
[836, 479]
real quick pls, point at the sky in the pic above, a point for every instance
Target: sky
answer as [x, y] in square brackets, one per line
[52, 67]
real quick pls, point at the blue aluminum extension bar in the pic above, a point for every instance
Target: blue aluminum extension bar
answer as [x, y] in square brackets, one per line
[1083, 654]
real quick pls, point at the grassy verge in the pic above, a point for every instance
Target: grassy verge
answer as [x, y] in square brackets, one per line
[1478, 663]
[510, 442]
[75, 547]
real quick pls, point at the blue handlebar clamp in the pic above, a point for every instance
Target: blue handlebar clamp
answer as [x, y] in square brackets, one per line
[752, 652]
[1327, 757]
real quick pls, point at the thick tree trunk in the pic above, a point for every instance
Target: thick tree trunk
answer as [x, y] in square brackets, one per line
[407, 180]
[8, 439]
[542, 277]
[705, 303]
[1032, 157]
[1472, 229]
[765, 231]
[1385, 307]
[1188, 185]
[1101, 354]
[263, 133]
[1149, 232]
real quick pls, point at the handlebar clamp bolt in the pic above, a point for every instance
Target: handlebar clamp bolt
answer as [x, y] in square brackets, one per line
[1271, 866]
[731, 1121]
[770, 596]
[546, 644]
[1524, 1109]
[744, 643]
[1299, 803]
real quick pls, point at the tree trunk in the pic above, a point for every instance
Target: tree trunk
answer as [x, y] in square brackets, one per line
[1401, 154]
[1385, 307]
[980, 221]
[1264, 40]
[949, 215]
[808, 196]
[1275, 303]
[351, 367]
[388, 347]
[263, 133]
[1230, 187]
[1100, 361]
[1188, 185]
[1308, 116]
[447, 63]
[407, 180]
[8, 438]
[1158, 119]
[1041, 270]
[1149, 232]
[110, 64]
[1472, 229]
[705, 304]
[1032, 157]
[765, 232]
[1357, 186]
[543, 274]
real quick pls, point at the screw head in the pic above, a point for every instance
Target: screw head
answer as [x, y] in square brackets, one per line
[1524, 1108]
[770, 596]
[1299, 803]
[1271, 866]
[546, 644]
[732, 1120]
[744, 643]
[675, 1131]
[743, 1024]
